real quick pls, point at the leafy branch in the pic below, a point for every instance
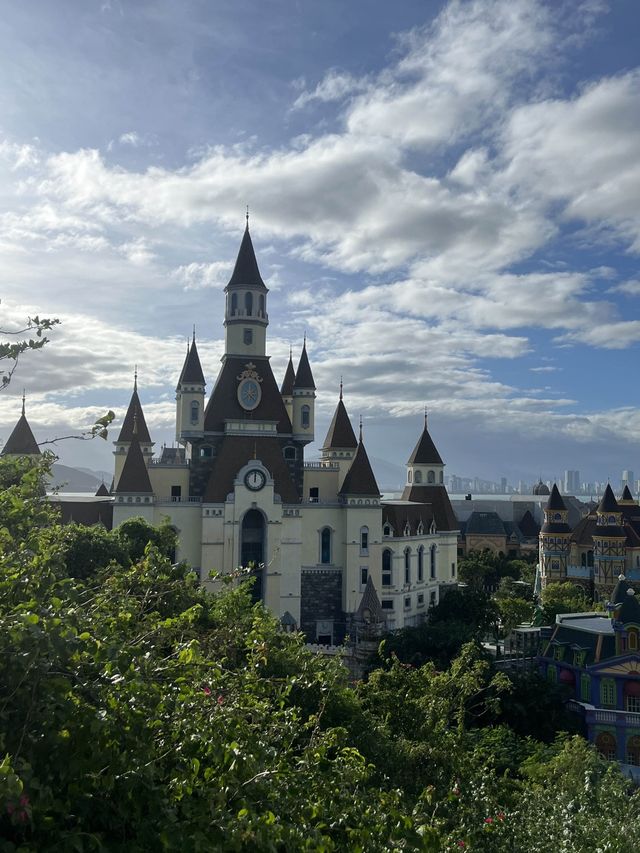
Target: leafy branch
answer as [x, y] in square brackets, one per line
[98, 430]
[11, 351]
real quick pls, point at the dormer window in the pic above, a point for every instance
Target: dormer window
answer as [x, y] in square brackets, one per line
[418, 477]
[387, 531]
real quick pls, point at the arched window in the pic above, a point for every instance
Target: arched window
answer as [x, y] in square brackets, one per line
[234, 304]
[590, 559]
[410, 475]
[418, 477]
[248, 303]
[407, 565]
[432, 562]
[252, 549]
[431, 477]
[289, 453]
[261, 303]
[441, 477]
[325, 545]
[195, 411]
[606, 745]
[633, 750]
[364, 540]
[386, 568]
[632, 639]
[305, 417]
[420, 564]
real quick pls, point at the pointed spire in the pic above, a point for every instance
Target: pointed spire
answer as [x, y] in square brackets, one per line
[340, 434]
[246, 270]
[304, 377]
[627, 497]
[425, 451]
[555, 499]
[289, 378]
[23, 399]
[341, 387]
[192, 369]
[135, 377]
[134, 478]
[608, 502]
[134, 413]
[22, 441]
[360, 479]
[360, 436]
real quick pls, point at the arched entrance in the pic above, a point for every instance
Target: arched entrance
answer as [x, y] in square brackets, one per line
[606, 745]
[252, 549]
[633, 750]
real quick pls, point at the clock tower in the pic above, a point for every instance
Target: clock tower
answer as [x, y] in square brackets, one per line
[245, 317]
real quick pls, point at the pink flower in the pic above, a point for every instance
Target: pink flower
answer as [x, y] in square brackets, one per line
[462, 844]
[220, 700]
[206, 691]
[488, 820]
[24, 800]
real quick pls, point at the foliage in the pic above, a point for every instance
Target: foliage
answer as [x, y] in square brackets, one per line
[513, 612]
[139, 712]
[565, 597]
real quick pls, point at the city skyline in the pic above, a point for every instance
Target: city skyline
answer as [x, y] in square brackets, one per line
[442, 195]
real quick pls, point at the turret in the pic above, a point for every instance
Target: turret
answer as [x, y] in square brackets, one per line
[340, 444]
[304, 395]
[190, 396]
[609, 539]
[555, 537]
[246, 318]
[133, 486]
[133, 418]
[425, 466]
[21, 442]
[287, 387]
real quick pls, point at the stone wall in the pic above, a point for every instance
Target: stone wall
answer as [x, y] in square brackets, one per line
[321, 601]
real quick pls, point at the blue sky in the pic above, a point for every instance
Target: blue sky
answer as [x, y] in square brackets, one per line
[444, 195]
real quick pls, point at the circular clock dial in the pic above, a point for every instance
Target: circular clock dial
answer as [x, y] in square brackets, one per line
[249, 394]
[255, 479]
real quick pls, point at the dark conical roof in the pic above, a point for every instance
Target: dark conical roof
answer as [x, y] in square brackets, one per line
[246, 270]
[21, 442]
[103, 491]
[425, 452]
[340, 432]
[134, 417]
[304, 377]
[289, 379]
[555, 499]
[630, 610]
[608, 502]
[627, 497]
[135, 476]
[360, 479]
[192, 369]
[369, 610]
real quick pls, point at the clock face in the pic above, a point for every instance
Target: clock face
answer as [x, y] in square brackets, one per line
[249, 394]
[255, 479]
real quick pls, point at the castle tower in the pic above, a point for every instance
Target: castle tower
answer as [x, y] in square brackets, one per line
[133, 418]
[304, 395]
[340, 444]
[190, 396]
[287, 387]
[425, 466]
[246, 318]
[133, 487]
[609, 539]
[555, 537]
[21, 442]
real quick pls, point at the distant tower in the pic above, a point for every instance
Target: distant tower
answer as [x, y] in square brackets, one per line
[555, 538]
[246, 318]
[190, 396]
[340, 444]
[304, 395]
[133, 418]
[21, 442]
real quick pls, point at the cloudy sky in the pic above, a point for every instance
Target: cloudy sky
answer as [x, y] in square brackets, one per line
[443, 195]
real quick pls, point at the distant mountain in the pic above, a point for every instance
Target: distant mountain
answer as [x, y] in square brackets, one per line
[389, 476]
[75, 479]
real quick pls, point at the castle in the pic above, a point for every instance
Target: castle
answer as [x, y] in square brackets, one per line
[316, 535]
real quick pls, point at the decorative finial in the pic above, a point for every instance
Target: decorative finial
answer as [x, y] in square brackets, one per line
[194, 333]
[361, 429]
[290, 352]
[135, 377]
[23, 399]
[341, 387]
[247, 215]
[425, 417]
[304, 340]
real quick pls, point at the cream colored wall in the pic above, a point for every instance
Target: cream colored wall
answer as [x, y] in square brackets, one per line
[164, 476]
[234, 337]
[315, 518]
[359, 516]
[341, 458]
[303, 398]
[325, 480]
[184, 398]
[125, 510]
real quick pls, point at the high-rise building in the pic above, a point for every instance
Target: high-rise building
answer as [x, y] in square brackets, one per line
[628, 479]
[571, 482]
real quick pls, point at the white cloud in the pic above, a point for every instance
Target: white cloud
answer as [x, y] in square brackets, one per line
[195, 276]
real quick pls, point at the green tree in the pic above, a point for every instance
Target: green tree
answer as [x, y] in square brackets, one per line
[562, 597]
